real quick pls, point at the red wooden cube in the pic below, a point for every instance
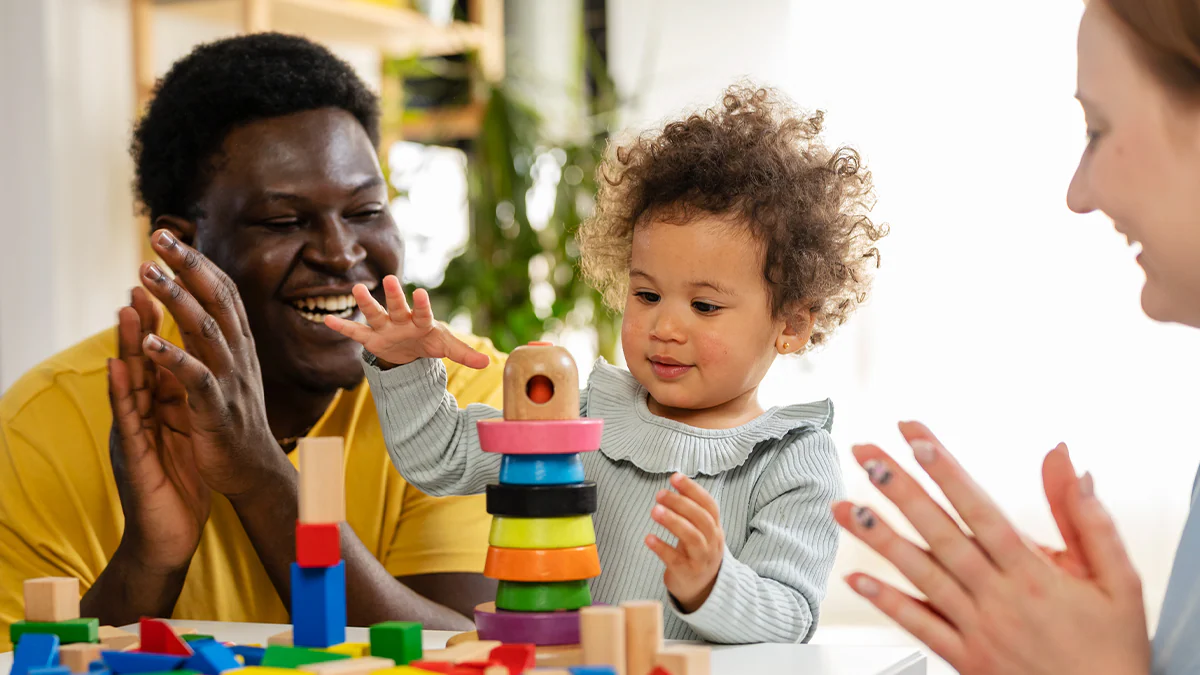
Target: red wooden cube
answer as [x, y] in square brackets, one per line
[318, 544]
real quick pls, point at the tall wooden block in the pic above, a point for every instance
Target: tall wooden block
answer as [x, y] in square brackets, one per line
[51, 599]
[643, 635]
[685, 659]
[322, 480]
[77, 656]
[602, 637]
[541, 382]
[319, 605]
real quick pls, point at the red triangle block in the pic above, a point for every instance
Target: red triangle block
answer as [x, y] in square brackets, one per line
[158, 638]
[517, 658]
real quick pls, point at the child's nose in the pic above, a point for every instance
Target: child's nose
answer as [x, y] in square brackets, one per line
[668, 327]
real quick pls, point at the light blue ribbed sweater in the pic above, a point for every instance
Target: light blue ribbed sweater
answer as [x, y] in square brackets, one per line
[774, 479]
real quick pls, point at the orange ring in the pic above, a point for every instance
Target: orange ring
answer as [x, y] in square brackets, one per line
[542, 565]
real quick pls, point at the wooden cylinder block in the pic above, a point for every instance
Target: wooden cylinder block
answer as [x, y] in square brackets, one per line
[541, 382]
[544, 437]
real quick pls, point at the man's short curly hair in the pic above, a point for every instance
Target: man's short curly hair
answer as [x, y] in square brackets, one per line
[223, 85]
[758, 160]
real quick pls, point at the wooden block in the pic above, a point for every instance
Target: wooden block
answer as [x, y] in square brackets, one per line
[643, 635]
[685, 659]
[77, 656]
[51, 599]
[116, 640]
[541, 382]
[355, 650]
[399, 641]
[293, 657]
[359, 666]
[602, 637]
[322, 480]
[159, 638]
[283, 639]
[465, 651]
[184, 631]
[69, 631]
[318, 544]
[38, 650]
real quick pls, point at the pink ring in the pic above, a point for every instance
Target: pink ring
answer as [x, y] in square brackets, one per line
[540, 437]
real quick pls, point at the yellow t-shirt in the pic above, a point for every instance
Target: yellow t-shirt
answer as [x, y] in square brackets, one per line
[60, 514]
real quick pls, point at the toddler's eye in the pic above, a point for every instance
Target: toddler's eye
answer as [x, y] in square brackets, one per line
[704, 307]
[647, 296]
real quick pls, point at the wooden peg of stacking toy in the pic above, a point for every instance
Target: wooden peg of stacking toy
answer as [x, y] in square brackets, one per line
[541, 382]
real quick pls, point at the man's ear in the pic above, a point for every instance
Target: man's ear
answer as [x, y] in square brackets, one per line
[183, 229]
[796, 331]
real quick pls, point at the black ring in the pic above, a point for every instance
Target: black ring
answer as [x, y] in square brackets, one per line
[542, 501]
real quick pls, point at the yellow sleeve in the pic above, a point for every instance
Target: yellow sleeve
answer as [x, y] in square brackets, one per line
[59, 515]
[439, 534]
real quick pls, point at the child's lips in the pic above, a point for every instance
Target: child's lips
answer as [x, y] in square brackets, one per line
[669, 371]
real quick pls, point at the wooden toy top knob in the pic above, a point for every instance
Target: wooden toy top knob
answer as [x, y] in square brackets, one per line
[541, 382]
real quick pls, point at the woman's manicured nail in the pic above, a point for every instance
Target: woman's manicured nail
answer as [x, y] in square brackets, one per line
[863, 516]
[877, 471]
[923, 450]
[866, 586]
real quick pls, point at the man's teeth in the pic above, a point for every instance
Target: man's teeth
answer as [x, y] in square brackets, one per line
[317, 308]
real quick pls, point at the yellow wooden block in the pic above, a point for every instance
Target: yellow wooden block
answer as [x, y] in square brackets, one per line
[569, 532]
[363, 666]
[355, 650]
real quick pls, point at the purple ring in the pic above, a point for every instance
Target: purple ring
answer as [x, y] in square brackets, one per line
[539, 628]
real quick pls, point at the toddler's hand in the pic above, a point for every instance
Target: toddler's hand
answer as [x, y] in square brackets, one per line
[691, 514]
[398, 335]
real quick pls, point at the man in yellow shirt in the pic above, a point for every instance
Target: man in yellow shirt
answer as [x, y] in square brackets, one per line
[257, 154]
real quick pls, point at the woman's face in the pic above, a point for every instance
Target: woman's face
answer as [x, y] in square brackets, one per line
[1141, 166]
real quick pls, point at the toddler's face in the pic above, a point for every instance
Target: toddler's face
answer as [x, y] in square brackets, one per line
[697, 330]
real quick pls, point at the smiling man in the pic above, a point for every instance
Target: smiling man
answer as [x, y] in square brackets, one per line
[259, 152]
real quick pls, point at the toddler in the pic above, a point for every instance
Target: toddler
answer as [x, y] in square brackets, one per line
[727, 238]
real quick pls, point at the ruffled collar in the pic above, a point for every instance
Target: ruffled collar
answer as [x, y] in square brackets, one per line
[659, 445]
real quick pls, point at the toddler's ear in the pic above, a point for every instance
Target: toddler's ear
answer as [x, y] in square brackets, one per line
[796, 331]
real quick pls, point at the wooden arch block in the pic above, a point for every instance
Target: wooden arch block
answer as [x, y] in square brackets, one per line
[541, 382]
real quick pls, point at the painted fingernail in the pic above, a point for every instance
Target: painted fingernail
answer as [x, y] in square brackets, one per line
[863, 516]
[166, 240]
[877, 471]
[153, 273]
[155, 343]
[1087, 487]
[866, 586]
[923, 450]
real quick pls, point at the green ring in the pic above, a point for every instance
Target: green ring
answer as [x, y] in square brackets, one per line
[519, 596]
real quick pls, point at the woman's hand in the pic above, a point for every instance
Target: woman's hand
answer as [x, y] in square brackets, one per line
[995, 603]
[692, 515]
[166, 504]
[397, 335]
[234, 449]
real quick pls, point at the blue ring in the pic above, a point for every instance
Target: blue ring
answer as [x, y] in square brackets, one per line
[541, 469]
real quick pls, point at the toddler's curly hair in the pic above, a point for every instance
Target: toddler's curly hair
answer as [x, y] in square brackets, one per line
[759, 160]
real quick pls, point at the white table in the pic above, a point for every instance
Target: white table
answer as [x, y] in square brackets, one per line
[726, 660]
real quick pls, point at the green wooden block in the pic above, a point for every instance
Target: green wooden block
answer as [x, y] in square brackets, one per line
[399, 641]
[277, 656]
[192, 637]
[68, 632]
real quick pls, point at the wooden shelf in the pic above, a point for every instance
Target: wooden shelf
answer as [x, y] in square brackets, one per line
[394, 30]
